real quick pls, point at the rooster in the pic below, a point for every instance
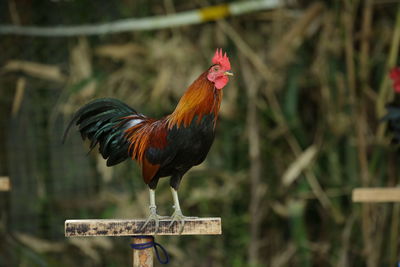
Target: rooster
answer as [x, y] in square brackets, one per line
[167, 147]
[393, 108]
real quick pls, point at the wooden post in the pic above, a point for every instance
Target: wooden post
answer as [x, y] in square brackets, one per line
[119, 227]
[143, 257]
[390, 194]
[5, 184]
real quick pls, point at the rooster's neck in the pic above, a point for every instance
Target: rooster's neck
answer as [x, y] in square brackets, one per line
[200, 99]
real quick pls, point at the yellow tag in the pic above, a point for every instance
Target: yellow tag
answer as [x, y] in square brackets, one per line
[214, 12]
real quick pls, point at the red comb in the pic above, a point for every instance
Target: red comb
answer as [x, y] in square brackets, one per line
[395, 76]
[222, 60]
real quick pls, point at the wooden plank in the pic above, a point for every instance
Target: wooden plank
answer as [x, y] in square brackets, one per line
[376, 194]
[5, 184]
[119, 227]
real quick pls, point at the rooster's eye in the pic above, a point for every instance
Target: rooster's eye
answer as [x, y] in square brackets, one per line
[216, 68]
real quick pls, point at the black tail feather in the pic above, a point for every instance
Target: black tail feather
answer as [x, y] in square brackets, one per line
[102, 121]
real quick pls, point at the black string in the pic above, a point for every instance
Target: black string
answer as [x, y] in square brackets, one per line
[152, 244]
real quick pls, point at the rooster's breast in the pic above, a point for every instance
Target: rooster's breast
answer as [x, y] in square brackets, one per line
[188, 145]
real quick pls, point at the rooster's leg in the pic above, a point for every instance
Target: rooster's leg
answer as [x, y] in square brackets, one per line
[153, 213]
[177, 216]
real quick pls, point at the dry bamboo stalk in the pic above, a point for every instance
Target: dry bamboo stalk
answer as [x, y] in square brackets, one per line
[39, 70]
[260, 66]
[394, 234]
[15, 17]
[267, 74]
[258, 188]
[19, 95]
[365, 41]
[294, 37]
[349, 50]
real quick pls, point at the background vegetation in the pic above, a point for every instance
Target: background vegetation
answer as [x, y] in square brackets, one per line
[299, 129]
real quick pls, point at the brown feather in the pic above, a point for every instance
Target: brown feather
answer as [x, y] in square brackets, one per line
[149, 170]
[147, 133]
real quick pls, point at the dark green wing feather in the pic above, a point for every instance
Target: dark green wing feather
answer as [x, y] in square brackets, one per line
[103, 121]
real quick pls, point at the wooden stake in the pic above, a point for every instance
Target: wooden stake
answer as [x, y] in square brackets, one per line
[5, 184]
[376, 194]
[142, 257]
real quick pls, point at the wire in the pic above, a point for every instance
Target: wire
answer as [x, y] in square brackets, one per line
[150, 23]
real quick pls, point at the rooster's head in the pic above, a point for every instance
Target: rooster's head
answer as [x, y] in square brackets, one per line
[220, 70]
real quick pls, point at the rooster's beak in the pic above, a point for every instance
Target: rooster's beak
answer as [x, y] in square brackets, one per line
[229, 73]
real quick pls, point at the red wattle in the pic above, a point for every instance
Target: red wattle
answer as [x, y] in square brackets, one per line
[220, 82]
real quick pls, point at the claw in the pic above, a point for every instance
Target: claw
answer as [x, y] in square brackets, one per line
[177, 216]
[152, 217]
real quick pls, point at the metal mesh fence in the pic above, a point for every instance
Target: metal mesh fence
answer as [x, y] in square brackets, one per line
[51, 181]
[41, 167]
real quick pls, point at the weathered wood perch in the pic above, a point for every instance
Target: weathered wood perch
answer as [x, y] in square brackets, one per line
[5, 184]
[115, 227]
[376, 194]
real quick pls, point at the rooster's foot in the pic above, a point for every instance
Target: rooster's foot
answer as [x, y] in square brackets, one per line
[178, 217]
[153, 217]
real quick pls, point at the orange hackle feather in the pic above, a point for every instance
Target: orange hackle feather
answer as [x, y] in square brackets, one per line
[200, 99]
